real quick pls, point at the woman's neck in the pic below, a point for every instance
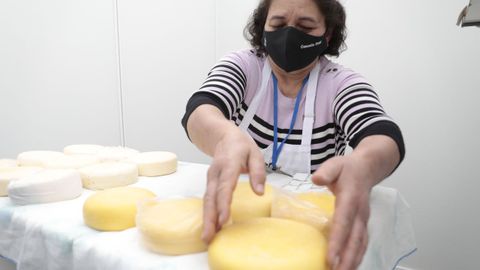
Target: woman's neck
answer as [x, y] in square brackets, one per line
[290, 83]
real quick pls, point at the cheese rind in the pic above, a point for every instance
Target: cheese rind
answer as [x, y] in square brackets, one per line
[37, 158]
[269, 244]
[82, 149]
[109, 175]
[246, 204]
[172, 227]
[46, 186]
[155, 163]
[8, 175]
[114, 209]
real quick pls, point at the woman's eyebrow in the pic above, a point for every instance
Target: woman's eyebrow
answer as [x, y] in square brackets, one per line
[277, 17]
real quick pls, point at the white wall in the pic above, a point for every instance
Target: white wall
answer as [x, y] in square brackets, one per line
[58, 75]
[424, 67]
[166, 50]
[426, 70]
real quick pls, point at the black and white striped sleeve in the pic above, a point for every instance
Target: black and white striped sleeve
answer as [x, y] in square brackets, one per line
[224, 88]
[358, 113]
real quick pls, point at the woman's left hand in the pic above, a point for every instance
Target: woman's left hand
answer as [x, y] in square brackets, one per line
[348, 178]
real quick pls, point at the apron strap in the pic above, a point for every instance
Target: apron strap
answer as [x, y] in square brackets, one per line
[257, 100]
[309, 114]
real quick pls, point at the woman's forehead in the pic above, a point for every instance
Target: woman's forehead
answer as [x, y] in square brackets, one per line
[297, 8]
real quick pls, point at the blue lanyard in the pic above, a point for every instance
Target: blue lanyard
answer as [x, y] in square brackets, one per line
[277, 150]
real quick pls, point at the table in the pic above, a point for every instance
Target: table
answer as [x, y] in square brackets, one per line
[53, 236]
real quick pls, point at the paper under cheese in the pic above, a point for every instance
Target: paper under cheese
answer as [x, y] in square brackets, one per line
[172, 227]
[114, 209]
[246, 204]
[8, 175]
[109, 175]
[268, 244]
[155, 163]
[46, 186]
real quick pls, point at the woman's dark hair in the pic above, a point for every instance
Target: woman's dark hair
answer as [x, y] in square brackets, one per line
[332, 10]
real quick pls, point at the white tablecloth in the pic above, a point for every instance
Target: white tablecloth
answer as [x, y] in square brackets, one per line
[53, 236]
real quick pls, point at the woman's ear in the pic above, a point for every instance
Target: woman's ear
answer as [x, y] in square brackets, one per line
[328, 35]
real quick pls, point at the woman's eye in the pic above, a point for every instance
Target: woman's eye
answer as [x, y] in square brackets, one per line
[306, 29]
[277, 26]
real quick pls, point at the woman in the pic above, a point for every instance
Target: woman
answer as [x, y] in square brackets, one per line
[284, 104]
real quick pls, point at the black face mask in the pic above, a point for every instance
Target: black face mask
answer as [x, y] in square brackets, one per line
[292, 49]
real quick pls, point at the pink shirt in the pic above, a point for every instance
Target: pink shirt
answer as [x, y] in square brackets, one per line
[345, 104]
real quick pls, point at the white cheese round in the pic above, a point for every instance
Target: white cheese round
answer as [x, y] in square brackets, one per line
[155, 163]
[8, 175]
[116, 153]
[82, 149]
[109, 175]
[71, 162]
[8, 163]
[46, 186]
[37, 158]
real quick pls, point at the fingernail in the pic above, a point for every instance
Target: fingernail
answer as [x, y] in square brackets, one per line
[335, 263]
[259, 188]
[221, 220]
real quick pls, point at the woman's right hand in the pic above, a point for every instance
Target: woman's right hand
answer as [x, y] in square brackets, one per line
[234, 153]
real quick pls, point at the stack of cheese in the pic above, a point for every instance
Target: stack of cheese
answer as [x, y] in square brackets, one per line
[255, 240]
[286, 240]
[107, 169]
[97, 167]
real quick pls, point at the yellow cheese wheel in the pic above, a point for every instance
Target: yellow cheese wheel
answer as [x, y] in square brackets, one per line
[114, 209]
[323, 200]
[313, 208]
[246, 204]
[172, 227]
[268, 244]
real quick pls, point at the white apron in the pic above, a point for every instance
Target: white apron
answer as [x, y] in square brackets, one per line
[294, 160]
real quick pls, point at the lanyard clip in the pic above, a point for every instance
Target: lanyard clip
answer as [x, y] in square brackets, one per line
[272, 167]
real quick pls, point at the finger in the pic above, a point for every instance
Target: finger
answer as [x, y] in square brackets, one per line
[363, 248]
[328, 172]
[364, 215]
[256, 167]
[210, 215]
[226, 185]
[353, 247]
[344, 217]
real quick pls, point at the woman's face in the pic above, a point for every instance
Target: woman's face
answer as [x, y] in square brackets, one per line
[302, 14]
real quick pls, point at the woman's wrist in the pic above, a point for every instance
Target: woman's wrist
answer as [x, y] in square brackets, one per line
[376, 156]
